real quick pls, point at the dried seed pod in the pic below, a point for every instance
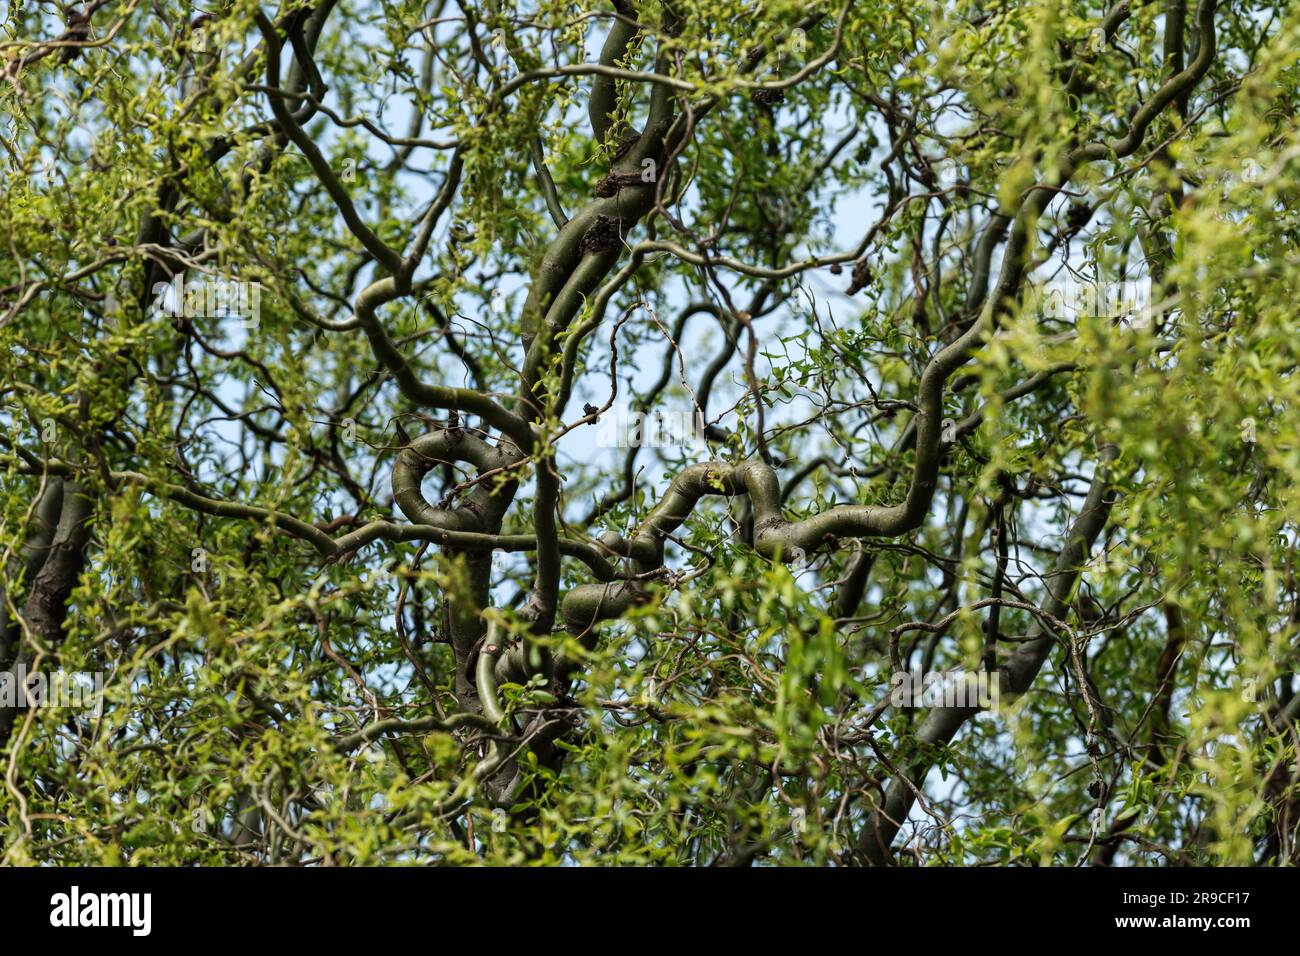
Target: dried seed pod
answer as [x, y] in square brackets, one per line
[612, 184]
[862, 277]
[602, 235]
[1077, 216]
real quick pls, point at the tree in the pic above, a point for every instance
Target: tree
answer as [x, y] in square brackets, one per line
[666, 431]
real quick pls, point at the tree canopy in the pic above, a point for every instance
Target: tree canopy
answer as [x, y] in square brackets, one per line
[561, 431]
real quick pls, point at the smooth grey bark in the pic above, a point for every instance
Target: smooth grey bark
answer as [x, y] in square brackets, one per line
[45, 610]
[45, 521]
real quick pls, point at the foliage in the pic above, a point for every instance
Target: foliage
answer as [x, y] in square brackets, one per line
[369, 582]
